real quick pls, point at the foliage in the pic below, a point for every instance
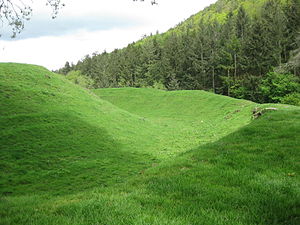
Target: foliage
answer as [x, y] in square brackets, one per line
[244, 45]
[158, 85]
[291, 99]
[78, 78]
[246, 87]
[276, 86]
[66, 69]
[293, 64]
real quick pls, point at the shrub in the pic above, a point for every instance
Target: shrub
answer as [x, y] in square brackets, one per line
[246, 88]
[159, 85]
[275, 86]
[78, 78]
[291, 99]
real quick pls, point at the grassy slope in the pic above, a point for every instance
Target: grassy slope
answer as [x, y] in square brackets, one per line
[189, 116]
[51, 129]
[57, 138]
[249, 177]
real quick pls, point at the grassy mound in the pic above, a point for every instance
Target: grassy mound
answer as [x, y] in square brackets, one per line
[141, 156]
[57, 137]
[248, 177]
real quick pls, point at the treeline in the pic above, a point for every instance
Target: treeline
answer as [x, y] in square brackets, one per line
[235, 57]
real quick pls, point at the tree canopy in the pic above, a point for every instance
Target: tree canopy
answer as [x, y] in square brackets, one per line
[232, 56]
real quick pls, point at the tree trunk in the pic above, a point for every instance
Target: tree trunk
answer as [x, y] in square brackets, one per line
[213, 80]
[202, 62]
[235, 66]
[132, 79]
[228, 85]
[280, 60]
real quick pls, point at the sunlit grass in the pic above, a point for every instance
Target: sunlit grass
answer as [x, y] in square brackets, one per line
[141, 156]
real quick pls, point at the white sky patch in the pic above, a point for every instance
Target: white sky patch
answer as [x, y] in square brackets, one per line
[118, 23]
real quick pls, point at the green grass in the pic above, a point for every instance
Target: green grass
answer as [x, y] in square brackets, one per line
[141, 156]
[52, 130]
[190, 117]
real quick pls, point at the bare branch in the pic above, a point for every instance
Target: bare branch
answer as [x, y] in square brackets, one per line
[14, 13]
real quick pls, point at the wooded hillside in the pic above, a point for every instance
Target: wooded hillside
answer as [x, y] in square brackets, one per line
[233, 48]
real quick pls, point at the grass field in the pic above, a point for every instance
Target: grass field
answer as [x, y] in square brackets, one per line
[141, 156]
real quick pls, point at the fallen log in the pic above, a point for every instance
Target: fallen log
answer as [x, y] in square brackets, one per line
[257, 112]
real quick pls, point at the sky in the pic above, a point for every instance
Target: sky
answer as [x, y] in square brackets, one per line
[86, 27]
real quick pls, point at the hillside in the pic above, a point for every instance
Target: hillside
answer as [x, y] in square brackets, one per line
[230, 48]
[220, 10]
[142, 156]
[190, 115]
[52, 129]
[215, 12]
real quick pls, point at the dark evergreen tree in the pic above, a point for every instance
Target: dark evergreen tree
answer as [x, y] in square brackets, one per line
[228, 55]
[292, 14]
[242, 22]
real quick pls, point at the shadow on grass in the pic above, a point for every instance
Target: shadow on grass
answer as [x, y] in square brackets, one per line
[247, 177]
[59, 153]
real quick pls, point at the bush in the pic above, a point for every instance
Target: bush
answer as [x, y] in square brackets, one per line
[275, 86]
[78, 78]
[291, 99]
[159, 85]
[246, 88]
